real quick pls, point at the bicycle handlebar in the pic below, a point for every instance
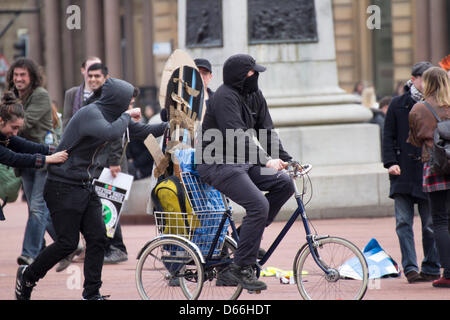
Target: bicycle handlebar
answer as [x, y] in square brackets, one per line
[295, 169]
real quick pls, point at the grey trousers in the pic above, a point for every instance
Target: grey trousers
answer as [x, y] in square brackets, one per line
[243, 183]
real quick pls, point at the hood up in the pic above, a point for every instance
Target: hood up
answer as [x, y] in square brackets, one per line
[236, 68]
[115, 98]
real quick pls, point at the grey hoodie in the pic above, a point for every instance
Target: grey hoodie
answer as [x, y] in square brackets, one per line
[92, 127]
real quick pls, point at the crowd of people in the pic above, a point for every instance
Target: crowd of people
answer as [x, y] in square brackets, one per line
[57, 157]
[96, 115]
[61, 199]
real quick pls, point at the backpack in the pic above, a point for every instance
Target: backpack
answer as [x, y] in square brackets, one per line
[9, 187]
[440, 153]
[176, 216]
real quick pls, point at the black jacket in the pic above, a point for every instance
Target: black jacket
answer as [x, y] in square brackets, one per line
[397, 151]
[142, 159]
[232, 109]
[210, 96]
[16, 152]
[92, 127]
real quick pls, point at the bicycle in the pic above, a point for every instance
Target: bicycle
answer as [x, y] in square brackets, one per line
[187, 265]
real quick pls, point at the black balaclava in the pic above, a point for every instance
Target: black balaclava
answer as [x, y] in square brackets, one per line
[235, 70]
[251, 83]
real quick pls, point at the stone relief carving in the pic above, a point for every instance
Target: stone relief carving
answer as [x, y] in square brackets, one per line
[203, 23]
[281, 21]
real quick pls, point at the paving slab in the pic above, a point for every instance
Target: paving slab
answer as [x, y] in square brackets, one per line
[119, 280]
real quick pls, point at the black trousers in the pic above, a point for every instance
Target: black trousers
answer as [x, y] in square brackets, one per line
[73, 209]
[440, 213]
[243, 184]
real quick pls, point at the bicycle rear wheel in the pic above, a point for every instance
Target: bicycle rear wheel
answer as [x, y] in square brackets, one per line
[169, 269]
[334, 254]
[214, 288]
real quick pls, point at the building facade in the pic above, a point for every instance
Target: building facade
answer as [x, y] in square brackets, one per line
[135, 37]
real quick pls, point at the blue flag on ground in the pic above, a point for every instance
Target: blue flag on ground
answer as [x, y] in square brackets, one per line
[380, 264]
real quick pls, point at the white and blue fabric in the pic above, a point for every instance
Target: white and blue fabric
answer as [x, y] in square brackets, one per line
[380, 264]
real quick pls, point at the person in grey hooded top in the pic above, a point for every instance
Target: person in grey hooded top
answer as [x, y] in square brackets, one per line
[70, 196]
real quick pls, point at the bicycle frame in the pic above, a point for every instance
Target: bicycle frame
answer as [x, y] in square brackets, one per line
[300, 211]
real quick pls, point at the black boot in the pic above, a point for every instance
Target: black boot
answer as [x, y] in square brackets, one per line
[244, 276]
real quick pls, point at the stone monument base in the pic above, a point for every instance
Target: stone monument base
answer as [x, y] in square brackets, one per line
[345, 191]
[354, 184]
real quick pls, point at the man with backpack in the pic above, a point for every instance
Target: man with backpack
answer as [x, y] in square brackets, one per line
[404, 165]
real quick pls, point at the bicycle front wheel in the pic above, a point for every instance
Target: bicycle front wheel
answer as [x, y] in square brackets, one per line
[169, 269]
[335, 255]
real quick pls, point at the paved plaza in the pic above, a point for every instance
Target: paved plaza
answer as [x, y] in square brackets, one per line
[119, 280]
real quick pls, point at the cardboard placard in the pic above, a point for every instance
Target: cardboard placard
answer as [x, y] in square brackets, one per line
[112, 193]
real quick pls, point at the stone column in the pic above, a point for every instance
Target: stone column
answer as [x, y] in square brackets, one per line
[147, 26]
[53, 50]
[129, 42]
[438, 30]
[422, 31]
[68, 60]
[93, 28]
[113, 50]
[35, 35]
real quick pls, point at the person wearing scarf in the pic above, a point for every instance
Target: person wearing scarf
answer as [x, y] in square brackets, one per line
[404, 165]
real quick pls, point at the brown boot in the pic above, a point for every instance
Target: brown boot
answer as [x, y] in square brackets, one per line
[412, 276]
[429, 277]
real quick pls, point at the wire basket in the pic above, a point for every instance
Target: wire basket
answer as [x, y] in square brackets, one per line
[202, 197]
[200, 228]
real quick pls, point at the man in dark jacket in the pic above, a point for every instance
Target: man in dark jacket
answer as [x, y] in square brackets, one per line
[76, 97]
[237, 110]
[405, 173]
[69, 193]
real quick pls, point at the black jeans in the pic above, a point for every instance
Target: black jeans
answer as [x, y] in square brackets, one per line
[440, 206]
[73, 208]
[243, 184]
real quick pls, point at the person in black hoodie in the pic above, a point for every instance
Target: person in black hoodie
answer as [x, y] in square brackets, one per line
[239, 108]
[69, 193]
[403, 161]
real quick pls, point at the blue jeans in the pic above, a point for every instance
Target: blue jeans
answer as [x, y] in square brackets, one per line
[39, 220]
[404, 217]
